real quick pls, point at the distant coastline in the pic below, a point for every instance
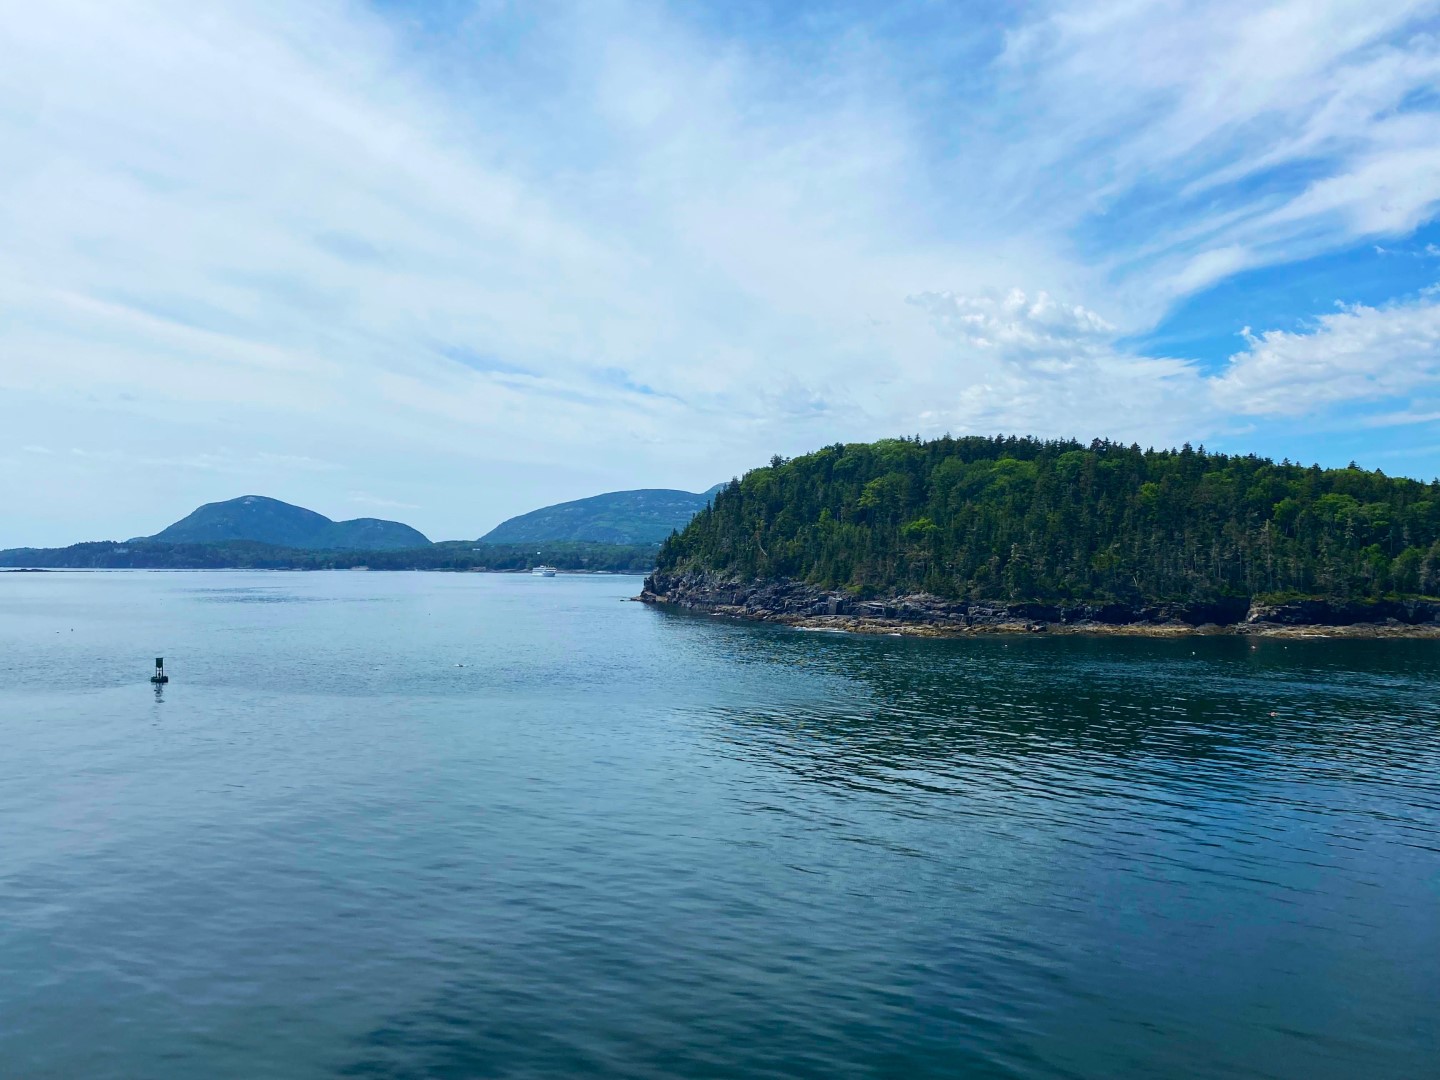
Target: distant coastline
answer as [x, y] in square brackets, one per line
[617, 532]
[520, 571]
[456, 556]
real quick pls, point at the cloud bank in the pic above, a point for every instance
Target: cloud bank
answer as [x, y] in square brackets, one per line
[504, 257]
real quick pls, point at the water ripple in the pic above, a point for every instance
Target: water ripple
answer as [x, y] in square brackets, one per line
[412, 825]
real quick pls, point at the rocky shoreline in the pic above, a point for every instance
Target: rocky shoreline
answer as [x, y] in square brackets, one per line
[810, 607]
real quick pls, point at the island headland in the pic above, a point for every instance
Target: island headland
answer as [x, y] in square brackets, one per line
[977, 535]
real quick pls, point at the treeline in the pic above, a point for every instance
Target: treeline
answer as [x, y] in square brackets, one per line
[1025, 519]
[247, 554]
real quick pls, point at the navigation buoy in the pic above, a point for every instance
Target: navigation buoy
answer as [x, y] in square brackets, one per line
[159, 676]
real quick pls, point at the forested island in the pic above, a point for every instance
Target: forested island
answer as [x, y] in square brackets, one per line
[642, 516]
[962, 534]
[270, 521]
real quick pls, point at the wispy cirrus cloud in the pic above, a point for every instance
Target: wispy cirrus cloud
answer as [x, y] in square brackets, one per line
[1262, 130]
[223, 461]
[527, 255]
[363, 498]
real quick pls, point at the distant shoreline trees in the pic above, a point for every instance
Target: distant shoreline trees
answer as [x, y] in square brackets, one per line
[249, 554]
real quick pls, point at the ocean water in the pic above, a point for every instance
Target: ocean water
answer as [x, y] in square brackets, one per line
[427, 825]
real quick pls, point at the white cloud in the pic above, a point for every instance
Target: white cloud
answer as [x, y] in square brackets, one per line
[584, 246]
[1060, 374]
[1353, 356]
[363, 498]
[1429, 251]
[1014, 322]
[1054, 369]
[223, 461]
[1264, 131]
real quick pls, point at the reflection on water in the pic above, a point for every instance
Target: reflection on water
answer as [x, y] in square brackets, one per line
[430, 825]
[928, 702]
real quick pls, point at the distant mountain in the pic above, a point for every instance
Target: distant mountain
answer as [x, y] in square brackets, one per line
[270, 521]
[644, 516]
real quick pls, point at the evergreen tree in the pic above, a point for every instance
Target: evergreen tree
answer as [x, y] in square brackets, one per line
[1024, 519]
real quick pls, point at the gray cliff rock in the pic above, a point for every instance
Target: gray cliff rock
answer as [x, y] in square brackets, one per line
[797, 602]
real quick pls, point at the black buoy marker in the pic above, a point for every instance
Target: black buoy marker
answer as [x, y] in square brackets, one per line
[159, 676]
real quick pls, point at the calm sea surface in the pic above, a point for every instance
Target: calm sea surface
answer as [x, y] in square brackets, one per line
[425, 825]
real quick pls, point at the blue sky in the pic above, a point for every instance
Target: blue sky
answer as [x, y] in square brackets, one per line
[450, 261]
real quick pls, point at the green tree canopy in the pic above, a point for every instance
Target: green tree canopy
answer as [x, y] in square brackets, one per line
[1025, 519]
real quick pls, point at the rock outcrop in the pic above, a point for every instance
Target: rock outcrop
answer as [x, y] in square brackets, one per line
[799, 604]
[1346, 613]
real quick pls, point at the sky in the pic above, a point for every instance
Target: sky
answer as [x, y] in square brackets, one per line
[446, 262]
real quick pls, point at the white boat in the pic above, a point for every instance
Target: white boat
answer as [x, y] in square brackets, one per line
[543, 571]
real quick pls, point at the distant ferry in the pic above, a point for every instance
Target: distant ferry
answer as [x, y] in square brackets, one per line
[543, 571]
